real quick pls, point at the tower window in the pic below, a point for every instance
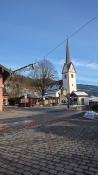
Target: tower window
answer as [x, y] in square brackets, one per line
[72, 76]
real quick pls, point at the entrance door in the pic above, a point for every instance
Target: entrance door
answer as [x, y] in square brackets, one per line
[82, 101]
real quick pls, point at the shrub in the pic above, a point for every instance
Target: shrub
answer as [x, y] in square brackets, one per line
[94, 107]
[13, 101]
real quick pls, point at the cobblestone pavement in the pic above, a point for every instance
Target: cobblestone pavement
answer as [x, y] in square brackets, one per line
[65, 147]
[23, 117]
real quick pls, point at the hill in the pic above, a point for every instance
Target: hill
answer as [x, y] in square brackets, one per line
[91, 90]
[18, 84]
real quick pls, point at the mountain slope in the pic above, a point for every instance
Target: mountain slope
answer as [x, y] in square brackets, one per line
[91, 90]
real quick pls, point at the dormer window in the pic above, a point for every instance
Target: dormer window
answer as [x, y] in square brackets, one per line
[72, 76]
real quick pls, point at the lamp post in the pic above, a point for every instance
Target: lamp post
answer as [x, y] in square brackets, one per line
[25, 96]
[68, 100]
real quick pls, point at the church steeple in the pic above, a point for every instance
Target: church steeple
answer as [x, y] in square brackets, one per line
[68, 60]
[69, 73]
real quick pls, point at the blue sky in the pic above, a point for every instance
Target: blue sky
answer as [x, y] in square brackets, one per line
[31, 28]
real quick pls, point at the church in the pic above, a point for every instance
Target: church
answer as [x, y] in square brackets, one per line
[65, 91]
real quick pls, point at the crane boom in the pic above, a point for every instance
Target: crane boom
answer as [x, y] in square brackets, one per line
[25, 68]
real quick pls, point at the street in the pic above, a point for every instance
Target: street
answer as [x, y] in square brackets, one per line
[48, 142]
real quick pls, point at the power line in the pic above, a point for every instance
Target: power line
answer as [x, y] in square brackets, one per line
[83, 26]
[72, 34]
[55, 48]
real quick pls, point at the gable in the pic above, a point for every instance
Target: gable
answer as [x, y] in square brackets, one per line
[71, 67]
[65, 69]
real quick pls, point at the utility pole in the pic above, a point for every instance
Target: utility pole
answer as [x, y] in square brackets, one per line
[68, 100]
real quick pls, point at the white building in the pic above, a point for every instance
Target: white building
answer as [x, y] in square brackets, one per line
[66, 89]
[69, 74]
[52, 95]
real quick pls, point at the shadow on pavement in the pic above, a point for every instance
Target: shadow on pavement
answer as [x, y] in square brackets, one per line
[73, 127]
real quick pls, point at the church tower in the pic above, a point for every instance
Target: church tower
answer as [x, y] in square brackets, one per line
[69, 74]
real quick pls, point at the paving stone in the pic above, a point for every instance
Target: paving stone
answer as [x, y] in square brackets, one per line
[89, 173]
[61, 173]
[35, 171]
[70, 172]
[61, 148]
[59, 169]
[52, 171]
[93, 169]
[43, 173]
[78, 173]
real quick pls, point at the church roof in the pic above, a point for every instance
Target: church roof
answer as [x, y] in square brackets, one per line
[30, 96]
[68, 66]
[53, 89]
[93, 99]
[68, 60]
[55, 86]
[80, 93]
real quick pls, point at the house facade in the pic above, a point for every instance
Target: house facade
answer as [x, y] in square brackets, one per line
[52, 95]
[4, 74]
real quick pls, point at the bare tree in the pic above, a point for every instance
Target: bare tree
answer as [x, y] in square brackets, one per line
[13, 86]
[43, 74]
[17, 84]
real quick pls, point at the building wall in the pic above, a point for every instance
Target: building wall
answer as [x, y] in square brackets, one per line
[1, 93]
[72, 82]
[65, 81]
[5, 100]
[69, 79]
[86, 101]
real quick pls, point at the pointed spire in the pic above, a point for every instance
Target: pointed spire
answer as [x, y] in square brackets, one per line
[68, 60]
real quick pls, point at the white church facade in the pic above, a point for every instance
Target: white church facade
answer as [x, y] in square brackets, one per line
[69, 74]
[65, 90]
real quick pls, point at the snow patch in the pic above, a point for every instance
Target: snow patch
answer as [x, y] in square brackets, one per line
[90, 114]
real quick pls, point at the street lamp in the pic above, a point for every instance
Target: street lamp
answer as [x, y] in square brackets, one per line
[68, 100]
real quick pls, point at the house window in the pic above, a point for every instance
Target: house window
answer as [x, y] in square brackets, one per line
[65, 75]
[72, 76]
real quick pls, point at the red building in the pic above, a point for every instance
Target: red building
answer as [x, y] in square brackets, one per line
[29, 100]
[4, 74]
